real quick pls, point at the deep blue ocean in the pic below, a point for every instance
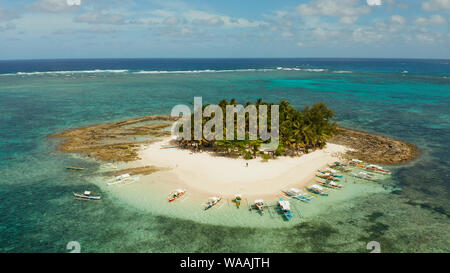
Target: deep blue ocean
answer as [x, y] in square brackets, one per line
[401, 98]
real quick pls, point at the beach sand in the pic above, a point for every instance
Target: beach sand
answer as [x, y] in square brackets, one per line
[204, 175]
[208, 175]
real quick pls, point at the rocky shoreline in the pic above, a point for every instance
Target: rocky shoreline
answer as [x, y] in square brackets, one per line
[120, 141]
[116, 141]
[375, 148]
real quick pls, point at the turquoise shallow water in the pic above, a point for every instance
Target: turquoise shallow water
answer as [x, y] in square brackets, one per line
[39, 214]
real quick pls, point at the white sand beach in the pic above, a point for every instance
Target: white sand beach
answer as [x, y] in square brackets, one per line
[208, 175]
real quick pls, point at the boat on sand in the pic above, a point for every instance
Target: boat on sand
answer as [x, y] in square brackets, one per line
[176, 194]
[212, 202]
[237, 199]
[259, 204]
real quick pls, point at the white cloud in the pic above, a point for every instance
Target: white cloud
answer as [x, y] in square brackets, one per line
[347, 10]
[374, 2]
[217, 19]
[397, 19]
[172, 20]
[100, 18]
[212, 21]
[7, 27]
[425, 37]
[8, 15]
[432, 20]
[52, 6]
[436, 5]
[348, 19]
[197, 17]
[367, 35]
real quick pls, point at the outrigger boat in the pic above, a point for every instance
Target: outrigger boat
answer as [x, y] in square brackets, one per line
[327, 177]
[357, 162]
[120, 178]
[176, 194]
[330, 184]
[285, 209]
[86, 195]
[342, 169]
[237, 199]
[259, 204]
[364, 175]
[377, 169]
[337, 164]
[74, 168]
[297, 194]
[330, 173]
[212, 202]
[317, 190]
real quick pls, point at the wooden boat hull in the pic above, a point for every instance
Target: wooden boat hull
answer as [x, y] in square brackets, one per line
[329, 186]
[86, 197]
[317, 192]
[327, 177]
[208, 206]
[175, 198]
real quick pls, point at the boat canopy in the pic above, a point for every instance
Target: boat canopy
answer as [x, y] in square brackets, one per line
[214, 198]
[285, 205]
[179, 190]
[257, 201]
[125, 175]
[331, 170]
[87, 192]
[295, 190]
[316, 187]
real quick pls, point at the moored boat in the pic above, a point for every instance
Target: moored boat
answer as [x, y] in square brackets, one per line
[343, 169]
[176, 194]
[357, 163]
[327, 177]
[317, 190]
[87, 195]
[259, 204]
[330, 173]
[74, 168]
[285, 207]
[297, 194]
[119, 179]
[330, 184]
[237, 199]
[212, 202]
[364, 175]
[377, 169]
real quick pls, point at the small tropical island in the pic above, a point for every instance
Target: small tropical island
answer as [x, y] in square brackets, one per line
[313, 154]
[301, 132]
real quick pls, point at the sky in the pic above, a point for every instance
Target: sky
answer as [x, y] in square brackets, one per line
[46, 29]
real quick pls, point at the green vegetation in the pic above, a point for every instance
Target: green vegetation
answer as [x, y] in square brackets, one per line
[299, 131]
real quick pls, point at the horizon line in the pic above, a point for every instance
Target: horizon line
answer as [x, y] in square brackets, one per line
[223, 58]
